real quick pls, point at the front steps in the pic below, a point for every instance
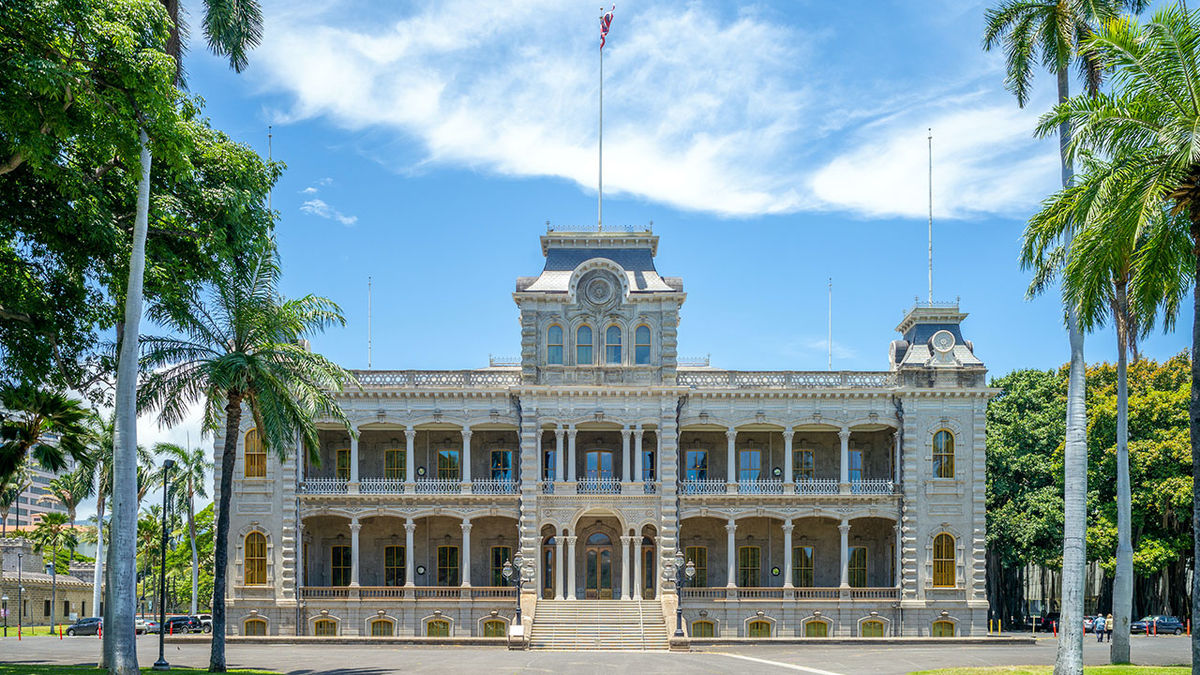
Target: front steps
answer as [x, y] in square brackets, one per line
[598, 624]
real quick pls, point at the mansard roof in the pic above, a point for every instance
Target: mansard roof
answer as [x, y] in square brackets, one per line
[633, 253]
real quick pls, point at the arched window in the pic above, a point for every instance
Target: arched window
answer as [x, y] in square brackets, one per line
[816, 629]
[437, 628]
[255, 464]
[554, 345]
[943, 560]
[943, 629]
[759, 629]
[254, 627]
[382, 628]
[612, 344]
[641, 345]
[943, 454]
[703, 629]
[583, 346]
[495, 628]
[871, 628]
[325, 627]
[254, 557]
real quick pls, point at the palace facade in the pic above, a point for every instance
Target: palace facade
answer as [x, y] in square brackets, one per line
[804, 503]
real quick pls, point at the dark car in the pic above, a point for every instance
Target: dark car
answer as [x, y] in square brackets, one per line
[86, 626]
[181, 624]
[1046, 623]
[1158, 624]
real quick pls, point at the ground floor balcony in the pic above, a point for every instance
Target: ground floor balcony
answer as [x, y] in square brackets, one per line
[822, 594]
[409, 592]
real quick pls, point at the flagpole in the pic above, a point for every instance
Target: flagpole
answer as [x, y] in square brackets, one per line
[931, 217]
[600, 166]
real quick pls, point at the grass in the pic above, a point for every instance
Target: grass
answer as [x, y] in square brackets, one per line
[1043, 670]
[28, 630]
[33, 669]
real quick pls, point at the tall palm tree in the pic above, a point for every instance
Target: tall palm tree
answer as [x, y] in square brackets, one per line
[1148, 127]
[52, 532]
[191, 474]
[46, 426]
[69, 490]
[1049, 33]
[244, 348]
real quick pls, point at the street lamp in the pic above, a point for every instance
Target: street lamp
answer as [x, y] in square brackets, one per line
[513, 571]
[161, 663]
[20, 595]
[683, 573]
[53, 587]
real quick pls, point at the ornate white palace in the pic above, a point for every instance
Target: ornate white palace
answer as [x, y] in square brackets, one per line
[807, 503]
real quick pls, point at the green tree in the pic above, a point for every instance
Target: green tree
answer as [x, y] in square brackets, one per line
[46, 426]
[52, 532]
[11, 487]
[244, 347]
[70, 489]
[191, 474]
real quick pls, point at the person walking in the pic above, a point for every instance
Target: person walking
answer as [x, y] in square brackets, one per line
[1108, 625]
[1098, 626]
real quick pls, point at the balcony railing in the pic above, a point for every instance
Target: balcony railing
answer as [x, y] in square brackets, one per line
[874, 593]
[439, 486]
[492, 486]
[434, 379]
[784, 379]
[760, 487]
[381, 486]
[325, 592]
[779, 593]
[410, 592]
[598, 486]
[872, 486]
[323, 486]
[649, 487]
[817, 486]
[703, 487]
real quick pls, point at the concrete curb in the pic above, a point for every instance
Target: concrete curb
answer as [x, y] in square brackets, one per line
[1004, 640]
[412, 641]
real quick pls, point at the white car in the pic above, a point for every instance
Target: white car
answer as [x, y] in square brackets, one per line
[205, 622]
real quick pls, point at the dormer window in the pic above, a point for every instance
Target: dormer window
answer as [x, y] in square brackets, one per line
[583, 346]
[554, 345]
[641, 345]
[612, 344]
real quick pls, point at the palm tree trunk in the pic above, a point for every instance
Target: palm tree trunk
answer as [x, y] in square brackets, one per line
[122, 576]
[1069, 660]
[1123, 577]
[195, 554]
[233, 421]
[1194, 429]
[97, 571]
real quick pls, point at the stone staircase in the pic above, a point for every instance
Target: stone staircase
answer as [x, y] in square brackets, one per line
[598, 624]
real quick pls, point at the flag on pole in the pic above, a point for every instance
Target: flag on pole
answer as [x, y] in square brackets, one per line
[605, 24]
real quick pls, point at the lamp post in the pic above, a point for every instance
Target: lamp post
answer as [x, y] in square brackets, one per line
[4, 603]
[682, 573]
[53, 588]
[161, 663]
[513, 571]
[20, 595]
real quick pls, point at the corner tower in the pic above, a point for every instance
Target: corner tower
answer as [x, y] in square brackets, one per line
[599, 312]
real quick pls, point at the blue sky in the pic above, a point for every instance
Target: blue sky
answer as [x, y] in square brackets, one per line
[773, 145]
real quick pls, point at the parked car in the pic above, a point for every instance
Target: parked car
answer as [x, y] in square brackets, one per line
[1087, 623]
[1159, 624]
[88, 626]
[174, 625]
[1046, 623]
[151, 626]
[205, 622]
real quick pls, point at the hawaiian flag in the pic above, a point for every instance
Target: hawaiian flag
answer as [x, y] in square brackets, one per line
[605, 24]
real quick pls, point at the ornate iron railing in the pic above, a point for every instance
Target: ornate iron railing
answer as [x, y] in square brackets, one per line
[649, 487]
[703, 487]
[323, 486]
[548, 487]
[381, 486]
[873, 486]
[785, 379]
[374, 379]
[760, 487]
[817, 486]
[492, 486]
[598, 486]
[438, 486]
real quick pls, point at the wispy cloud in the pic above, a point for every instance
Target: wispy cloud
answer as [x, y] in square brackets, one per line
[318, 207]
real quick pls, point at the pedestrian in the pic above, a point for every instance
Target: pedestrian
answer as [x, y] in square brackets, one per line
[1098, 627]
[1108, 625]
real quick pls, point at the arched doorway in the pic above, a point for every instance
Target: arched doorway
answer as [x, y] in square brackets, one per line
[598, 564]
[549, 566]
[648, 568]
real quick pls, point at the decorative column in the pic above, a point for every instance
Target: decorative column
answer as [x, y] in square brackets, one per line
[465, 563]
[355, 526]
[896, 459]
[788, 468]
[410, 555]
[731, 553]
[625, 544]
[899, 556]
[638, 576]
[626, 465]
[354, 458]
[410, 457]
[466, 455]
[787, 550]
[844, 464]
[570, 571]
[844, 528]
[638, 473]
[731, 459]
[571, 452]
[560, 568]
[559, 476]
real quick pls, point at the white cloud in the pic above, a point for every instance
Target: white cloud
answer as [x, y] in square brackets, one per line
[310, 190]
[318, 207]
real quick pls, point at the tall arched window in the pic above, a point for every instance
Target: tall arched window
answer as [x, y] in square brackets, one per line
[943, 560]
[641, 345]
[943, 454]
[583, 346]
[554, 345]
[255, 464]
[254, 557]
[612, 344]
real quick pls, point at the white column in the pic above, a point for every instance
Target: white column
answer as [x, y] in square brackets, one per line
[625, 590]
[844, 528]
[844, 465]
[731, 459]
[626, 465]
[896, 458]
[301, 552]
[638, 576]
[410, 457]
[638, 473]
[466, 455]
[571, 452]
[355, 526]
[731, 555]
[560, 567]
[787, 551]
[465, 563]
[788, 468]
[658, 456]
[410, 555]
[570, 570]
[899, 556]
[559, 476]
[354, 457]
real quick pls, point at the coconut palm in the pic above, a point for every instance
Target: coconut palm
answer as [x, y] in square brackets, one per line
[1148, 127]
[53, 532]
[69, 490]
[46, 426]
[243, 349]
[1049, 33]
[191, 473]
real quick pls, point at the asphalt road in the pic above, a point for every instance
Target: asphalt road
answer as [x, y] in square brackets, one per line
[383, 659]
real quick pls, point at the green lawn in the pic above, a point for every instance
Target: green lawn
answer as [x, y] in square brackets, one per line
[28, 630]
[1044, 670]
[23, 669]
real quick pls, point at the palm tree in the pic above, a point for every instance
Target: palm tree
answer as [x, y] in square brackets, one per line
[191, 473]
[11, 487]
[1050, 32]
[52, 531]
[244, 347]
[1148, 127]
[102, 451]
[69, 490]
[46, 426]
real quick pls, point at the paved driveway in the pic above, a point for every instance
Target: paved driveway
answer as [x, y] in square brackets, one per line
[381, 660]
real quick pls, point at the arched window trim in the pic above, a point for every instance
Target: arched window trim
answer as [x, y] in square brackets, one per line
[325, 623]
[612, 350]
[554, 347]
[254, 566]
[642, 350]
[581, 345]
[258, 621]
[944, 621]
[945, 569]
[943, 461]
[254, 464]
[711, 624]
[373, 623]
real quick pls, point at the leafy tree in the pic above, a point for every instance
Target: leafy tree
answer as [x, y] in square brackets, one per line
[53, 532]
[70, 489]
[46, 426]
[11, 487]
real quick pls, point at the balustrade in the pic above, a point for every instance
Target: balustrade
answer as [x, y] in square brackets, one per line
[438, 486]
[817, 486]
[874, 486]
[760, 487]
[779, 593]
[381, 486]
[491, 486]
[707, 486]
[598, 486]
[750, 379]
[323, 486]
[437, 378]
